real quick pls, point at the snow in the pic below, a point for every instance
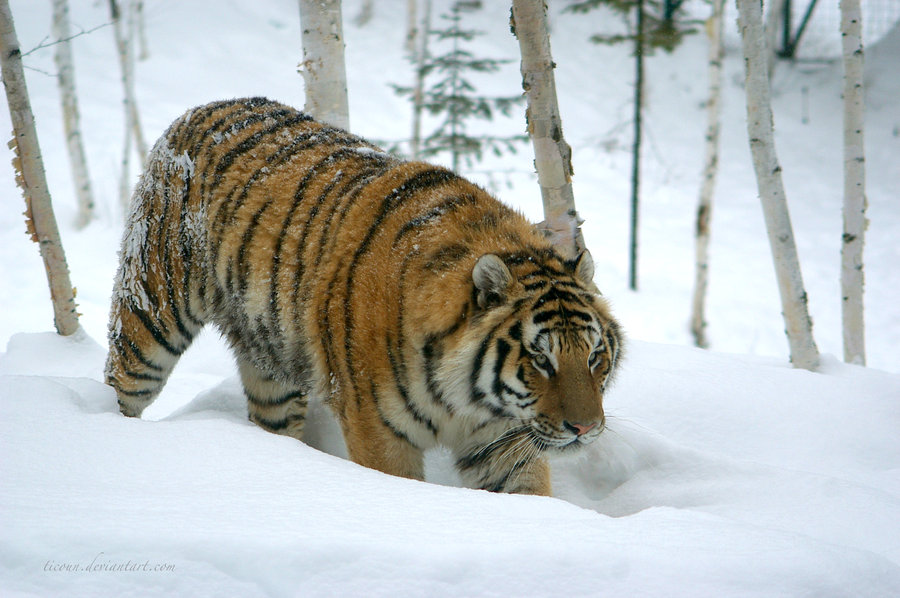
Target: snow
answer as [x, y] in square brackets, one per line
[723, 473]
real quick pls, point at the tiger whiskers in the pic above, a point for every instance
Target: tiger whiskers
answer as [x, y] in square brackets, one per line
[506, 435]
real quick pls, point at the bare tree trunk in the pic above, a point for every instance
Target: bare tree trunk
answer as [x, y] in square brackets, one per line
[65, 79]
[421, 54]
[40, 221]
[710, 168]
[798, 325]
[552, 155]
[324, 73]
[774, 20]
[412, 26]
[137, 6]
[636, 147]
[852, 276]
[123, 33]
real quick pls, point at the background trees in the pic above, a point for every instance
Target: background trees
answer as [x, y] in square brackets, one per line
[854, 211]
[714, 30]
[552, 155]
[651, 25]
[443, 88]
[592, 101]
[760, 128]
[39, 218]
[65, 76]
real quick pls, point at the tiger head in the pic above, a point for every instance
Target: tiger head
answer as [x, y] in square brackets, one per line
[551, 347]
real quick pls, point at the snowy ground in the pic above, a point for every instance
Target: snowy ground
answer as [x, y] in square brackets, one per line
[721, 474]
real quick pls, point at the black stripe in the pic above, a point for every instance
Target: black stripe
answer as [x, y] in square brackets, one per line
[274, 402]
[422, 180]
[165, 241]
[241, 117]
[400, 383]
[348, 198]
[136, 393]
[432, 352]
[144, 376]
[156, 333]
[251, 142]
[133, 348]
[388, 424]
[501, 484]
[447, 257]
[448, 206]
[227, 209]
[273, 425]
[499, 387]
[312, 173]
[194, 121]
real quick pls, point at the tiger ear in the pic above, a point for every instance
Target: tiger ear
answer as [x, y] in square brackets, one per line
[492, 280]
[584, 268]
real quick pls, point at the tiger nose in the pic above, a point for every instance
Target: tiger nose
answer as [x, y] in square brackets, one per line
[579, 429]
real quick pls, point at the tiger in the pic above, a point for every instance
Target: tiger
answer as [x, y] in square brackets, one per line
[421, 309]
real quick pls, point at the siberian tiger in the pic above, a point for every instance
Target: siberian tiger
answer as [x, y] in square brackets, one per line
[425, 311]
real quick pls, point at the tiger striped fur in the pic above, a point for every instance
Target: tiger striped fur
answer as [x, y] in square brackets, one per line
[425, 311]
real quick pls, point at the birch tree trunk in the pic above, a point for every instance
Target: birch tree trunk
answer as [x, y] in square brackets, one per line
[65, 79]
[714, 30]
[552, 155]
[798, 325]
[774, 20]
[421, 55]
[39, 218]
[137, 6]
[324, 73]
[852, 276]
[123, 33]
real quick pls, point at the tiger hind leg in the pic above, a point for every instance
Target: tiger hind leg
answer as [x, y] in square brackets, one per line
[143, 352]
[272, 404]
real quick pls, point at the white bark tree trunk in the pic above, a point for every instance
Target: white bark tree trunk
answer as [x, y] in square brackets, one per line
[324, 73]
[39, 217]
[412, 26]
[138, 9]
[421, 54]
[714, 29]
[123, 30]
[852, 276]
[760, 128]
[552, 155]
[774, 21]
[65, 79]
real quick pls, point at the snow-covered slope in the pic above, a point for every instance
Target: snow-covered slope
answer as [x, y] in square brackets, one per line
[721, 475]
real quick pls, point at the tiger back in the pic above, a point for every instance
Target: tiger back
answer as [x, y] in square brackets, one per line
[422, 309]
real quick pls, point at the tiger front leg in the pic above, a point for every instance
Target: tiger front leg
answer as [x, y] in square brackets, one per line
[374, 443]
[505, 467]
[273, 405]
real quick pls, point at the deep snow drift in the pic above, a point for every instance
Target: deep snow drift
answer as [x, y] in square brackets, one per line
[720, 475]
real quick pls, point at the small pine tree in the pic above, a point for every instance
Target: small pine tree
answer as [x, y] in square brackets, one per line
[450, 94]
[661, 30]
